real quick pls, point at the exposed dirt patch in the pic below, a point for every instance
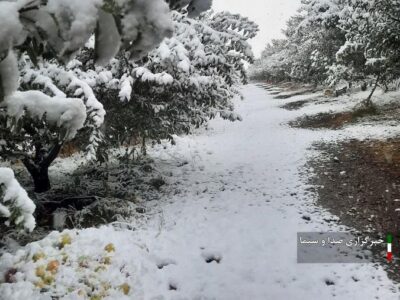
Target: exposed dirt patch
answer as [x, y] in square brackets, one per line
[287, 90]
[295, 105]
[293, 86]
[297, 93]
[359, 181]
[334, 120]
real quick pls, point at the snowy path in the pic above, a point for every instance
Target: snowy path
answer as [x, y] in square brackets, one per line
[230, 230]
[243, 205]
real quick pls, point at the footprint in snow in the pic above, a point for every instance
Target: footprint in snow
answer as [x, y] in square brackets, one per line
[162, 263]
[209, 257]
[173, 286]
[329, 282]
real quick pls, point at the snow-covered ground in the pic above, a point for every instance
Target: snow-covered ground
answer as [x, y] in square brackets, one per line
[228, 233]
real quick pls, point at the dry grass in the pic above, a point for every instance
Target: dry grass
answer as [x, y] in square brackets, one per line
[68, 149]
[386, 155]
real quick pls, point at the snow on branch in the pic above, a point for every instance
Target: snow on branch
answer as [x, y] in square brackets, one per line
[126, 88]
[15, 204]
[64, 27]
[194, 7]
[67, 113]
[94, 107]
[8, 75]
[36, 77]
[144, 74]
[11, 29]
[48, 73]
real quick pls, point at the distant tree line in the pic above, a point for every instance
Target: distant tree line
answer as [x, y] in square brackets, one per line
[328, 41]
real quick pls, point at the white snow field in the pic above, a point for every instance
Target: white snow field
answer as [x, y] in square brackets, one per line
[230, 230]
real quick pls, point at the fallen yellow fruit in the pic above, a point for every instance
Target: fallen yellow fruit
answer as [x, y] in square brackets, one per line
[53, 266]
[100, 268]
[106, 260]
[65, 240]
[109, 248]
[40, 271]
[38, 256]
[39, 284]
[125, 288]
[48, 280]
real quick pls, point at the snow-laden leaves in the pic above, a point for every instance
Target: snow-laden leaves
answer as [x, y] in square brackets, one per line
[63, 27]
[15, 205]
[187, 80]
[145, 24]
[11, 31]
[8, 75]
[193, 7]
[69, 114]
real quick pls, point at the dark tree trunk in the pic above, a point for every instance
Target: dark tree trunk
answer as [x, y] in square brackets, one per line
[38, 167]
[368, 101]
[1, 90]
[41, 180]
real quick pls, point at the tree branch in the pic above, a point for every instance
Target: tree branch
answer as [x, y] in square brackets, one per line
[52, 154]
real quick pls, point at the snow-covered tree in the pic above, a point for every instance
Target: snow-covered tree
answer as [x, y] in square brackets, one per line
[187, 80]
[312, 38]
[52, 104]
[333, 40]
[274, 64]
[372, 41]
[318, 37]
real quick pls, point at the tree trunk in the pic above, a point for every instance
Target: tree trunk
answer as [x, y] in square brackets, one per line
[368, 102]
[39, 167]
[41, 180]
[40, 176]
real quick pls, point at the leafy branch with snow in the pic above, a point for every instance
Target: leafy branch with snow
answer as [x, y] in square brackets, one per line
[15, 205]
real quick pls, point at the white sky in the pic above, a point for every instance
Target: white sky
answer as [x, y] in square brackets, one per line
[270, 15]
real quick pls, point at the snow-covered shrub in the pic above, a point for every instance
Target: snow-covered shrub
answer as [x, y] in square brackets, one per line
[36, 120]
[190, 78]
[15, 205]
